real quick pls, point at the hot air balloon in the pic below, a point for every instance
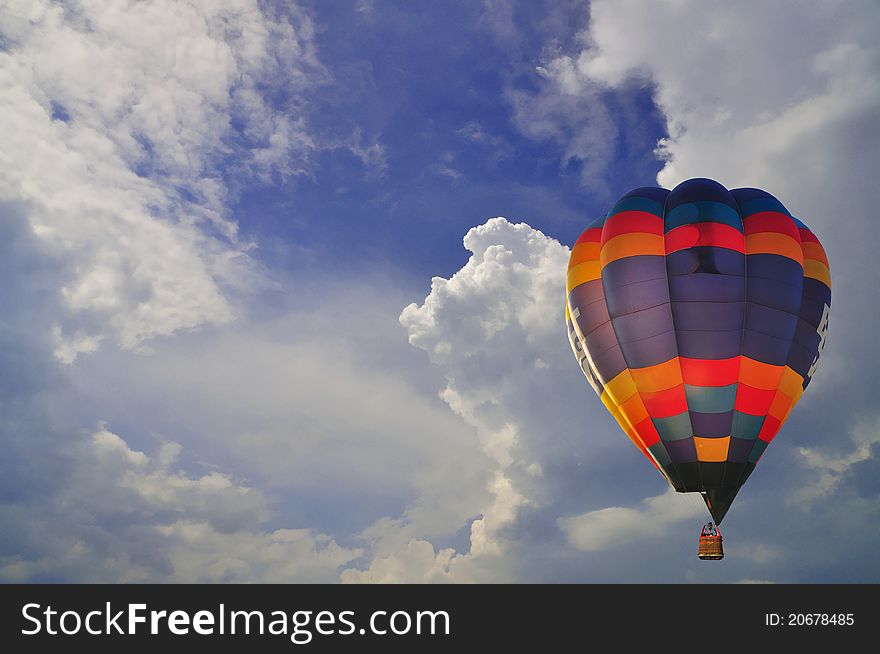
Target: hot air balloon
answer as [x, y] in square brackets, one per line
[698, 316]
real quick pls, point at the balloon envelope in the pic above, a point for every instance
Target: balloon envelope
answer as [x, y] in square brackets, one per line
[698, 316]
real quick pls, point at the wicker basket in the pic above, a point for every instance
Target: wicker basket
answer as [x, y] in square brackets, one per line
[710, 548]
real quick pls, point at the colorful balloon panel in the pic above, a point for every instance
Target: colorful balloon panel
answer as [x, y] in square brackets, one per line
[698, 316]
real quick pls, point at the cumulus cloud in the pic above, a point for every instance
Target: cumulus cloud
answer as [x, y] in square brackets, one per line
[122, 123]
[609, 527]
[829, 469]
[415, 563]
[334, 424]
[124, 516]
[486, 327]
[742, 109]
[332, 430]
[322, 415]
[500, 294]
[493, 330]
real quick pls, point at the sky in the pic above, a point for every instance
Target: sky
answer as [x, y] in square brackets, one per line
[283, 286]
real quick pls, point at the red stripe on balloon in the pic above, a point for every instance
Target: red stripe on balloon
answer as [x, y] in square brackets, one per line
[647, 432]
[769, 429]
[665, 403]
[705, 234]
[591, 235]
[754, 401]
[627, 222]
[771, 221]
[807, 235]
[709, 372]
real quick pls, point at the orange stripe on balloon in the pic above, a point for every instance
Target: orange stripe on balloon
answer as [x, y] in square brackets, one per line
[712, 449]
[780, 407]
[759, 375]
[614, 410]
[792, 384]
[622, 387]
[621, 419]
[634, 409]
[630, 245]
[814, 251]
[582, 273]
[630, 222]
[584, 252]
[817, 270]
[774, 243]
[657, 378]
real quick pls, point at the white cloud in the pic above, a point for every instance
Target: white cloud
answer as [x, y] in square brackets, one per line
[447, 171]
[486, 327]
[415, 563]
[773, 83]
[474, 132]
[333, 423]
[310, 409]
[123, 516]
[113, 478]
[371, 153]
[501, 294]
[605, 528]
[200, 553]
[829, 468]
[120, 124]
[494, 330]
[580, 124]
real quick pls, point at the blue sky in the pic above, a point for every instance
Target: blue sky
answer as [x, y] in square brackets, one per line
[428, 83]
[262, 321]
